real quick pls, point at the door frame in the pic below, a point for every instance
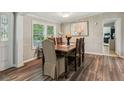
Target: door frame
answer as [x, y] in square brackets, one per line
[117, 49]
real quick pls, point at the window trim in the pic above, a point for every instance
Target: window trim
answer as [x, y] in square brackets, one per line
[35, 22]
[54, 29]
[45, 30]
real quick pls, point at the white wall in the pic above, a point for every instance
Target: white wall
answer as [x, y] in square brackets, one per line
[93, 43]
[27, 35]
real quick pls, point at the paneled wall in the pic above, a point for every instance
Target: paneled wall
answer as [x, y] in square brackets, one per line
[27, 35]
[93, 42]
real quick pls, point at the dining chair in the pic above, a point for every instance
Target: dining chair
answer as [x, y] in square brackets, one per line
[53, 38]
[53, 66]
[76, 54]
[82, 49]
[59, 40]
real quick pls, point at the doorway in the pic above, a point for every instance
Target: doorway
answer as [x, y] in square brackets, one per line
[111, 36]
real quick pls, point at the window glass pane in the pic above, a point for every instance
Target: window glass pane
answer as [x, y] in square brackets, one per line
[38, 35]
[50, 30]
[3, 28]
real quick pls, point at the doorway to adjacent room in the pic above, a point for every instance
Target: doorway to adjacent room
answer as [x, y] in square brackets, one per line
[112, 36]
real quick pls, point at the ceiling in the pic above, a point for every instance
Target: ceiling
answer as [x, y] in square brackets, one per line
[57, 16]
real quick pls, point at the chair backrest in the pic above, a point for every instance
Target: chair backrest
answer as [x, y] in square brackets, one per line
[82, 45]
[53, 38]
[77, 46]
[59, 40]
[49, 51]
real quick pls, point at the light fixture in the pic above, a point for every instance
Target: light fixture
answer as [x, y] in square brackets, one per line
[65, 14]
[95, 23]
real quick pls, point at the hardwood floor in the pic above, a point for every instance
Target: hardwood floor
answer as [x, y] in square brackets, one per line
[103, 68]
[95, 68]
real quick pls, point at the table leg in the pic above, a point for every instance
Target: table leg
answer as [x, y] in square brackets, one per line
[66, 66]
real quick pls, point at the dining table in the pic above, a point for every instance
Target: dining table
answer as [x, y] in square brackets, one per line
[65, 50]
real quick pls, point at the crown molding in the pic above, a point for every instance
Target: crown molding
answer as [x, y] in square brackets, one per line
[55, 21]
[90, 15]
[43, 18]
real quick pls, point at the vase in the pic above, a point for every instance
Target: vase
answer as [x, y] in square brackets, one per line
[68, 40]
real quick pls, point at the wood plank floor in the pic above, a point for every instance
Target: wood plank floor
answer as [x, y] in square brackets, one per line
[95, 68]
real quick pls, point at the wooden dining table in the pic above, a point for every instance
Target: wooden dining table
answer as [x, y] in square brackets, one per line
[65, 48]
[65, 51]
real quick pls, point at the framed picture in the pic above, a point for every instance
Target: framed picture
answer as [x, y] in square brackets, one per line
[80, 28]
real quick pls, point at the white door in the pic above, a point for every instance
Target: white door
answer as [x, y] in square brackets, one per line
[6, 41]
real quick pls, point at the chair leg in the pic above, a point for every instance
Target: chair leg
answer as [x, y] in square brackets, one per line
[79, 61]
[43, 61]
[42, 69]
[75, 64]
[83, 58]
[56, 75]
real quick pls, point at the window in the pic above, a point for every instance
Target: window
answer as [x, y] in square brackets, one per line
[38, 35]
[50, 31]
[4, 28]
[41, 31]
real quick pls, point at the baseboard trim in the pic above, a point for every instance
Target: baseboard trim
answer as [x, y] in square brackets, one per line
[94, 53]
[20, 65]
[2, 69]
[101, 54]
[121, 57]
[31, 59]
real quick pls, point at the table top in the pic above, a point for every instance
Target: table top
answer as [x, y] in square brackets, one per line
[64, 48]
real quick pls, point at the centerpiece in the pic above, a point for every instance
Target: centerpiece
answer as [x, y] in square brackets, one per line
[68, 37]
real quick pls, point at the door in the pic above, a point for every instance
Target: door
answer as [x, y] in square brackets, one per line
[6, 41]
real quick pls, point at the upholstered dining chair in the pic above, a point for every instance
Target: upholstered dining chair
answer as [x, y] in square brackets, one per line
[53, 38]
[53, 66]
